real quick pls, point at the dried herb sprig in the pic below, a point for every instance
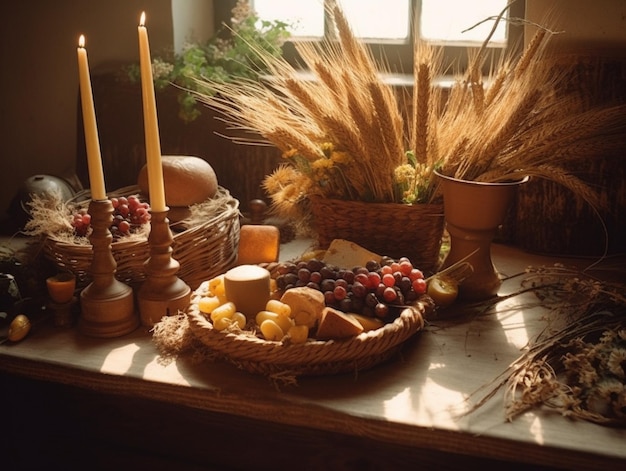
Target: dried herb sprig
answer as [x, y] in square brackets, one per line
[579, 368]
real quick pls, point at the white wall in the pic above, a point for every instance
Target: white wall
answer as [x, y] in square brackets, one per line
[193, 21]
[586, 26]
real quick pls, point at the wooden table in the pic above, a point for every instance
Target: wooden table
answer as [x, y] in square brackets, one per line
[115, 402]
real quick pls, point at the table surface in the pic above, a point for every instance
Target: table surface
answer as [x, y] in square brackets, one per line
[417, 399]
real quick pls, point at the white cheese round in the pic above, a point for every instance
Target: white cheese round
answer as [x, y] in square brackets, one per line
[248, 286]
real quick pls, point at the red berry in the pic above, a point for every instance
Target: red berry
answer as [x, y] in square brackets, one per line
[316, 277]
[388, 279]
[416, 274]
[406, 267]
[123, 209]
[420, 285]
[133, 202]
[374, 279]
[381, 310]
[340, 292]
[341, 282]
[362, 278]
[390, 294]
[124, 226]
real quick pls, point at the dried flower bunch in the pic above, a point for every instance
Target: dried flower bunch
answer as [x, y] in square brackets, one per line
[347, 135]
[578, 366]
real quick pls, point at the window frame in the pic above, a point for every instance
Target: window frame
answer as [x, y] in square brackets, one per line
[398, 55]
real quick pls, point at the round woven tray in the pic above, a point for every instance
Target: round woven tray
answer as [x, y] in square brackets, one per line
[313, 358]
[395, 230]
[203, 250]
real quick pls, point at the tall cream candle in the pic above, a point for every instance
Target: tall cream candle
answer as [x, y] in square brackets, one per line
[151, 125]
[94, 159]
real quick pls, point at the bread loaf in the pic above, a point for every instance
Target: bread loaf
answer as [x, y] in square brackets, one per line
[306, 305]
[187, 180]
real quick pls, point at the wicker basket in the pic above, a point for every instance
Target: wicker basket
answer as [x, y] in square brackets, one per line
[313, 358]
[395, 230]
[203, 250]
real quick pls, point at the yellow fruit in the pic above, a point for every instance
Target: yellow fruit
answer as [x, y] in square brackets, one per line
[19, 328]
[216, 286]
[275, 305]
[225, 310]
[240, 319]
[271, 330]
[206, 304]
[298, 333]
[284, 322]
[443, 289]
[222, 323]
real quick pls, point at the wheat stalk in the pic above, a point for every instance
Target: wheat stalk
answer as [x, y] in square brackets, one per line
[520, 124]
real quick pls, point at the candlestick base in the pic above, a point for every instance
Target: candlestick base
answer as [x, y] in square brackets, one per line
[162, 293]
[108, 312]
[107, 304]
[154, 304]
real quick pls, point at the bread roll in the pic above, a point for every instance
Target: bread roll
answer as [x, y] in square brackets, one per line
[187, 180]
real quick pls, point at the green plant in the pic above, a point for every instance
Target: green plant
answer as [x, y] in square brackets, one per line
[232, 53]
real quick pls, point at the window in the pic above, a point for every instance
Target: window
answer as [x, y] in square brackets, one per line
[387, 25]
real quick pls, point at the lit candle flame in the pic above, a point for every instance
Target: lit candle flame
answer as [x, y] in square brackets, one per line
[142, 19]
[81, 41]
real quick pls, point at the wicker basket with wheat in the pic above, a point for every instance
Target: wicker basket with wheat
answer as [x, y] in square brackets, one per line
[343, 137]
[347, 136]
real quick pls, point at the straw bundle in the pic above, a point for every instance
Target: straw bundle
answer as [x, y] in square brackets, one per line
[347, 138]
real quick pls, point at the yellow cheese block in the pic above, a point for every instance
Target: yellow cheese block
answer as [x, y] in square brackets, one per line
[248, 287]
[335, 324]
[258, 244]
[368, 323]
[345, 254]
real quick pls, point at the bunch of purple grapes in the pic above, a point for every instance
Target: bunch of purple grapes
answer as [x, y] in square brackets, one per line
[129, 213]
[376, 289]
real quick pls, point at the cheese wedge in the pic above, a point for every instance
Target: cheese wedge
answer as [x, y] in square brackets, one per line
[345, 254]
[335, 325]
[368, 323]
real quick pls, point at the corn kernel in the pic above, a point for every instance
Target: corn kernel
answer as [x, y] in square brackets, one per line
[274, 305]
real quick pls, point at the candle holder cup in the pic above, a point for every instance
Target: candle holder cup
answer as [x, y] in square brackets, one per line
[63, 313]
[107, 305]
[162, 293]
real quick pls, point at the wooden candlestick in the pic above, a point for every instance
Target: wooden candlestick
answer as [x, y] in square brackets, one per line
[107, 304]
[162, 293]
